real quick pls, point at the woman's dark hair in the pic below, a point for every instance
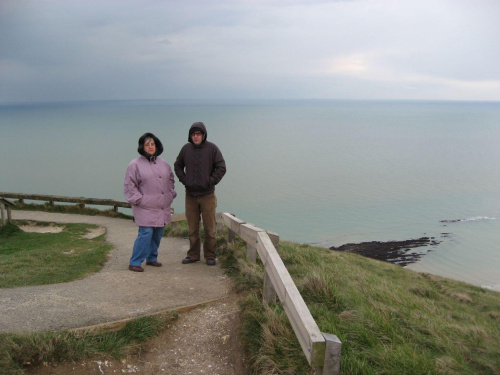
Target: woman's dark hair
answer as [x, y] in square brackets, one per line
[142, 140]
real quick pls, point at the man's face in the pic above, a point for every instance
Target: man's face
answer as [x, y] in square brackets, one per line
[197, 137]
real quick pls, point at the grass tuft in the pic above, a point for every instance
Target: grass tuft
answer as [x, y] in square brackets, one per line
[18, 351]
[9, 229]
[178, 229]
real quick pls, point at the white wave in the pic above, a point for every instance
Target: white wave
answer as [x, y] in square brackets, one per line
[476, 218]
[495, 288]
[479, 218]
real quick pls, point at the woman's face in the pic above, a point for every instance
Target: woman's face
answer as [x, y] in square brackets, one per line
[149, 146]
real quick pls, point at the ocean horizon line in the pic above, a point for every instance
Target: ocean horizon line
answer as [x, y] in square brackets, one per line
[245, 100]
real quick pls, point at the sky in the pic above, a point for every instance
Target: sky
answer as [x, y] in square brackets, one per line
[72, 50]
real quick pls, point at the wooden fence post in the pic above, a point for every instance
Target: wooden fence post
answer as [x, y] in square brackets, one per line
[251, 253]
[219, 221]
[275, 239]
[231, 237]
[5, 204]
[248, 232]
[332, 356]
[2, 209]
[233, 225]
[269, 293]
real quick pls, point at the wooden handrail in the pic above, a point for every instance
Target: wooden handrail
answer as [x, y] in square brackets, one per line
[322, 350]
[58, 198]
[81, 200]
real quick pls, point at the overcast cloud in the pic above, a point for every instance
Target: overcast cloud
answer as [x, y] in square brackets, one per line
[62, 50]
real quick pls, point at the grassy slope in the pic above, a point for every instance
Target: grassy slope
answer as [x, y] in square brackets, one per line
[389, 319]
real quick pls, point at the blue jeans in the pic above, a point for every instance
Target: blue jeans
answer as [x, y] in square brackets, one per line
[146, 245]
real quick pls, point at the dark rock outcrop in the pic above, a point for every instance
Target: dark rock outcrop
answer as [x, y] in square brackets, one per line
[396, 252]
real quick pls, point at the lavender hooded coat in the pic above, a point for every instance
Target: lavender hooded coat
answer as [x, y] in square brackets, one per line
[149, 187]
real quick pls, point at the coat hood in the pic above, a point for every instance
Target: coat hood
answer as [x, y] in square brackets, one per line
[142, 140]
[197, 126]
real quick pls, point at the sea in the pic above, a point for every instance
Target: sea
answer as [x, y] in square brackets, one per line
[322, 172]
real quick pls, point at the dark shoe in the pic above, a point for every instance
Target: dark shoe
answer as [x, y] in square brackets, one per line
[210, 262]
[188, 260]
[136, 268]
[154, 264]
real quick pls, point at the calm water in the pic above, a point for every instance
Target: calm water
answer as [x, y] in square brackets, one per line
[322, 172]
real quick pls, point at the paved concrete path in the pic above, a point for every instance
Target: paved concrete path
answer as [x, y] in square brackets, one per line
[114, 293]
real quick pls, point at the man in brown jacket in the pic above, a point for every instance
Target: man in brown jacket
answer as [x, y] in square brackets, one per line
[199, 167]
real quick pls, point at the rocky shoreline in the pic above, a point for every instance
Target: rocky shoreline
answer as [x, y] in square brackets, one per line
[396, 252]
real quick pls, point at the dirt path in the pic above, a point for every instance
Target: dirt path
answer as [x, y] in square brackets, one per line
[202, 341]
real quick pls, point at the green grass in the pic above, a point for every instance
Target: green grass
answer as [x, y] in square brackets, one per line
[9, 229]
[31, 349]
[180, 229]
[47, 258]
[390, 320]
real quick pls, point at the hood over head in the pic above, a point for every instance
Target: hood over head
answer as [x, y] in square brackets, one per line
[142, 140]
[197, 126]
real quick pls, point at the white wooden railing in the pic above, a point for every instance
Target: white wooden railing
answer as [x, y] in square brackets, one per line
[322, 350]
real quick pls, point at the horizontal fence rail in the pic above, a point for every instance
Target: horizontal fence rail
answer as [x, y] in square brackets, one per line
[322, 350]
[81, 201]
[57, 198]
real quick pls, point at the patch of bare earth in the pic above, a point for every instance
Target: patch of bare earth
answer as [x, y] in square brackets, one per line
[35, 228]
[93, 233]
[55, 228]
[202, 341]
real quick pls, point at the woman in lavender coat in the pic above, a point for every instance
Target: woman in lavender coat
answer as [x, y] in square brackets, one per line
[149, 188]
